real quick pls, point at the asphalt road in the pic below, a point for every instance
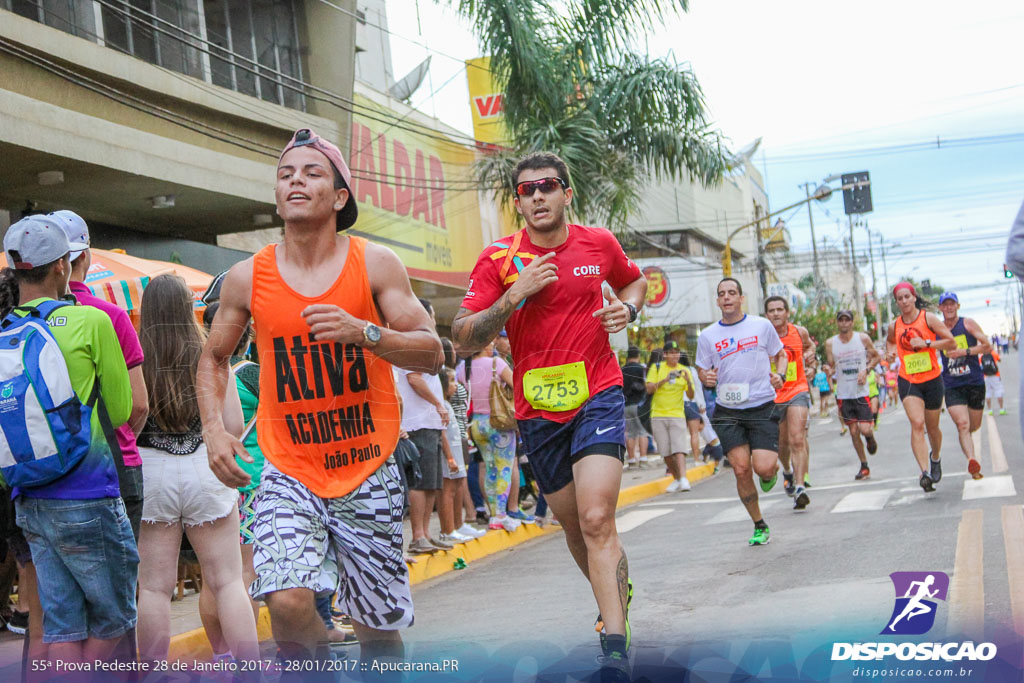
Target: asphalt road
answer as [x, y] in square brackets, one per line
[707, 603]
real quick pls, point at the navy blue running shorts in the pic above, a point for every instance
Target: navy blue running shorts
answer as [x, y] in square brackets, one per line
[599, 428]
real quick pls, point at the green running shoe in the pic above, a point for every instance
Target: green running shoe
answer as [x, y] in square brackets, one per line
[807, 482]
[1002, 411]
[760, 536]
[768, 485]
[599, 624]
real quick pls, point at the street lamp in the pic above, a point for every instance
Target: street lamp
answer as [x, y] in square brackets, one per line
[822, 193]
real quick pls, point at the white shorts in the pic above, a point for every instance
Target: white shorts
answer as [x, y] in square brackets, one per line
[181, 489]
[993, 386]
[670, 435]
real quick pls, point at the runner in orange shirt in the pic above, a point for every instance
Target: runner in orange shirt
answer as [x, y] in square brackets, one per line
[915, 336]
[332, 314]
[793, 400]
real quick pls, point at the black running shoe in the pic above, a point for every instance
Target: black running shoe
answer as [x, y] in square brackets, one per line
[18, 622]
[802, 500]
[935, 469]
[872, 444]
[788, 486]
[927, 483]
[863, 473]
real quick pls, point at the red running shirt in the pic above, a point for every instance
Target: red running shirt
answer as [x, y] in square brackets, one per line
[556, 326]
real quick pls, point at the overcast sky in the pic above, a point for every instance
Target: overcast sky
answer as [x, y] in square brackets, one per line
[833, 88]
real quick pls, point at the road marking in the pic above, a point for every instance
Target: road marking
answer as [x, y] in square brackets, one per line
[1013, 538]
[863, 501]
[739, 513]
[912, 496]
[779, 495]
[689, 501]
[635, 518]
[995, 447]
[967, 589]
[989, 487]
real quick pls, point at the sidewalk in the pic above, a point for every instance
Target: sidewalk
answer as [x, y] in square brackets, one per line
[638, 485]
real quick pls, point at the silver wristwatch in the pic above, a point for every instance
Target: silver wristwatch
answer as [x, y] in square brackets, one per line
[371, 335]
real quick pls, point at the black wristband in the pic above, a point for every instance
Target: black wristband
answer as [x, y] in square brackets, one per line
[632, 311]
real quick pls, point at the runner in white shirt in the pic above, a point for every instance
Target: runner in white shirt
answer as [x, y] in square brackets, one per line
[735, 355]
[849, 354]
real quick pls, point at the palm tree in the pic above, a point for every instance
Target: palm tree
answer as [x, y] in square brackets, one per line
[574, 85]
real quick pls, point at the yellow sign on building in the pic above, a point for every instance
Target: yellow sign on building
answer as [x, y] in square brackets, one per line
[486, 102]
[416, 194]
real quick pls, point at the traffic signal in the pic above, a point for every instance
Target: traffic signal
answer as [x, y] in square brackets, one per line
[1007, 273]
[857, 199]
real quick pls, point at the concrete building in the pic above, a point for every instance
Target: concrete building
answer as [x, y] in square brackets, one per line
[679, 238]
[160, 122]
[412, 179]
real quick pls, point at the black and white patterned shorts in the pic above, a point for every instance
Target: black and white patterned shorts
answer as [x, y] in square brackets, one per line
[352, 544]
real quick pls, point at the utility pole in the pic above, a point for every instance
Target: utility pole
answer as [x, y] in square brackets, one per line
[885, 274]
[761, 275]
[814, 242]
[858, 305]
[874, 286]
[828, 284]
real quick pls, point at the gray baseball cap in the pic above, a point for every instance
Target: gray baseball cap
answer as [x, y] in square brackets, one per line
[76, 230]
[35, 241]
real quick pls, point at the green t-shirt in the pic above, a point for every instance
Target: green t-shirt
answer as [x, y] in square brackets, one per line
[247, 378]
[668, 399]
[91, 350]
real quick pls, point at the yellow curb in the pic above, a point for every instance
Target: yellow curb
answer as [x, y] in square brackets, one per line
[194, 645]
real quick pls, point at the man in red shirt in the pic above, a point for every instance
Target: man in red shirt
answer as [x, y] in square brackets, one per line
[546, 285]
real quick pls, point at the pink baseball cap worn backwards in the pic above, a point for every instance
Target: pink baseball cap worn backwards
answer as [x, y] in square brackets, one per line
[306, 137]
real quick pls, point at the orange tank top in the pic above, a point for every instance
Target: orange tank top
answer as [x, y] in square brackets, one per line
[916, 366]
[328, 413]
[796, 379]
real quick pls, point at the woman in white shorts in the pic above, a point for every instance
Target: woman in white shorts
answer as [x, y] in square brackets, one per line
[453, 472]
[183, 492]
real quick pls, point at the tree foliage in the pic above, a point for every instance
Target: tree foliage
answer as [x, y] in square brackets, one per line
[574, 85]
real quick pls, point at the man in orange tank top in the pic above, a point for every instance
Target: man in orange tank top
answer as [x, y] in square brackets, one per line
[915, 336]
[793, 400]
[328, 308]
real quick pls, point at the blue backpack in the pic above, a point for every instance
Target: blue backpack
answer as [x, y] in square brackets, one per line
[44, 427]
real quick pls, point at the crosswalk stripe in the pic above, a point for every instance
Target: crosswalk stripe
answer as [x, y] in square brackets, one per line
[739, 513]
[863, 501]
[635, 518]
[995, 447]
[989, 487]
[967, 589]
[1013, 539]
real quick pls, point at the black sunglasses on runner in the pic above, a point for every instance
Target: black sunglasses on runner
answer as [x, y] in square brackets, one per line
[545, 185]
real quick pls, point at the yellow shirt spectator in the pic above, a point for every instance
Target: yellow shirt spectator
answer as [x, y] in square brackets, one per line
[674, 388]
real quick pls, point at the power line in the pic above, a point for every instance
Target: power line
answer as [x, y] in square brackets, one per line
[919, 146]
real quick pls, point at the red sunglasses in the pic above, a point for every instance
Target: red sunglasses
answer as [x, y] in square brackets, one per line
[545, 185]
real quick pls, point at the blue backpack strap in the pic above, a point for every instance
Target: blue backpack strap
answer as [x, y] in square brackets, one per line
[47, 307]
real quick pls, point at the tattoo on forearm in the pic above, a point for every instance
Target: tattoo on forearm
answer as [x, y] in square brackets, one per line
[622, 578]
[484, 326]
